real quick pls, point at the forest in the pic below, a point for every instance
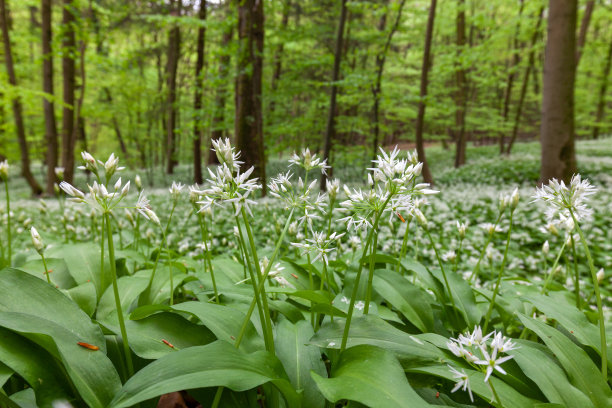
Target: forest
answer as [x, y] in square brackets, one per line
[315, 203]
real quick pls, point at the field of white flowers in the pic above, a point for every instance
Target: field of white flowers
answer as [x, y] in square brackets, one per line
[383, 292]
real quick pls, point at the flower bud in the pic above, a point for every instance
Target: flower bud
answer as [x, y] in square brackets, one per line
[118, 184]
[514, 199]
[138, 182]
[37, 241]
[420, 217]
[546, 248]
[600, 275]
[59, 173]
[4, 169]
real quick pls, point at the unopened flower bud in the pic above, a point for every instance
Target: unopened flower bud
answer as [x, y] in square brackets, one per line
[4, 169]
[420, 217]
[514, 199]
[546, 248]
[37, 240]
[600, 275]
[138, 182]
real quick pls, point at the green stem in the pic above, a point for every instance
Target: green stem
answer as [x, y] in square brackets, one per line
[495, 394]
[602, 328]
[8, 222]
[111, 259]
[474, 274]
[576, 273]
[102, 274]
[161, 245]
[368, 296]
[499, 276]
[204, 232]
[46, 269]
[448, 288]
[404, 246]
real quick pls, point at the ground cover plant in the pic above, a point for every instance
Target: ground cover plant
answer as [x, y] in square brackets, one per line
[382, 293]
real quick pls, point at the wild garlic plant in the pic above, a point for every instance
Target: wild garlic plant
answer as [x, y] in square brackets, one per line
[38, 244]
[4, 172]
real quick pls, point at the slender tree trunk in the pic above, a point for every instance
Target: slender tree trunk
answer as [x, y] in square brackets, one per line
[278, 55]
[330, 129]
[512, 74]
[601, 103]
[69, 73]
[16, 102]
[423, 93]
[584, 28]
[528, 70]
[116, 127]
[197, 102]
[79, 127]
[248, 123]
[557, 132]
[380, 66]
[48, 106]
[174, 44]
[218, 121]
[461, 93]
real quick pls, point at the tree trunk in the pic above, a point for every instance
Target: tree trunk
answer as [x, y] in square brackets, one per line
[69, 72]
[380, 65]
[528, 70]
[16, 102]
[601, 104]
[197, 102]
[584, 28]
[116, 127]
[248, 122]
[461, 93]
[423, 93]
[330, 129]
[174, 44]
[512, 74]
[48, 106]
[278, 55]
[218, 121]
[557, 132]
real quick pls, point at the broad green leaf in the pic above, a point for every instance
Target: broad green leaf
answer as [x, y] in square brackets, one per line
[510, 398]
[463, 295]
[42, 313]
[147, 335]
[580, 369]
[424, 275]
[25, 398]
[556, 307]
[5, 373]
[213, 365]
[35, 366]
[160, 288]
[542, 369]
[59, 274]
[299, 359]
[85, 296]
[410, 300]
[130, 287]
[372, 330]
[225, 322]
[371, 376]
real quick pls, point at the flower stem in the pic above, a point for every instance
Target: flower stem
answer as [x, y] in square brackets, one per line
[602, 328]
[576, 273]
[499, 276]
[46, 269]
[102, 274]
[366, 308]
[448, 288]
[495, 394]
[8, 222]
[204, 232]
[111, 259]
[404, 246]
[484, 249]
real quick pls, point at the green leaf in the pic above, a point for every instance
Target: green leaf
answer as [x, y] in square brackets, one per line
[463, 295]
[371, 376]
[581, 370]
[59, 271]
[424, 275]
[542, 369]
[130, 287]
[411, 301]
[216, 364]
[85, 296]
[42, 313]
[299, 359]
[372, 330]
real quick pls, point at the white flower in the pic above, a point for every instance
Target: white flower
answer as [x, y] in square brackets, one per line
[4, 169]
[462, 228]
[502, 343]
[90, 162]
[111, 166]
[490, 228]
[492, 362]
[37, 240]
[138, 182]
[319, 244]
[463, 383]
[59, 173]
[563, 201]
[175, 190]
[308, 161]
[72, 191]
[475, 338]
[226, 153]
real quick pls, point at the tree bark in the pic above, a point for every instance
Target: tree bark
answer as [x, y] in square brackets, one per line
[584, 28]
[248, 122]
[197, 102]
[16, 102]
[69, 73]
[278, 55]
[557, 131]
[461, 93]
[218, 121]
[601, 103]
[423, 93]
[48, 105]
[330, 129]
[528, 70]
[512, 74]
[380, 66]
[174, 45]
[116, 127]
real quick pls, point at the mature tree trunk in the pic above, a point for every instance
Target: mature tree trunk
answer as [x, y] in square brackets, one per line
[557, 132]
[330, 129]
[584, 28]
[601, 104]
[278, 54]
[528, 70]
[248, 122]
[174, 45]
[16, 102]
[380, 66]
[69, 72]
[197, 102]
[461, 92]
[48, 106]
[512, 74]
[218, 121]
[423, 93]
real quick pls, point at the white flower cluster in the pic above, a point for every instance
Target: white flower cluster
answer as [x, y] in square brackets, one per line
[227, 184]
[563, 201]
[481, 352]
[308, 161]
[319, 244]
[296, 196]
